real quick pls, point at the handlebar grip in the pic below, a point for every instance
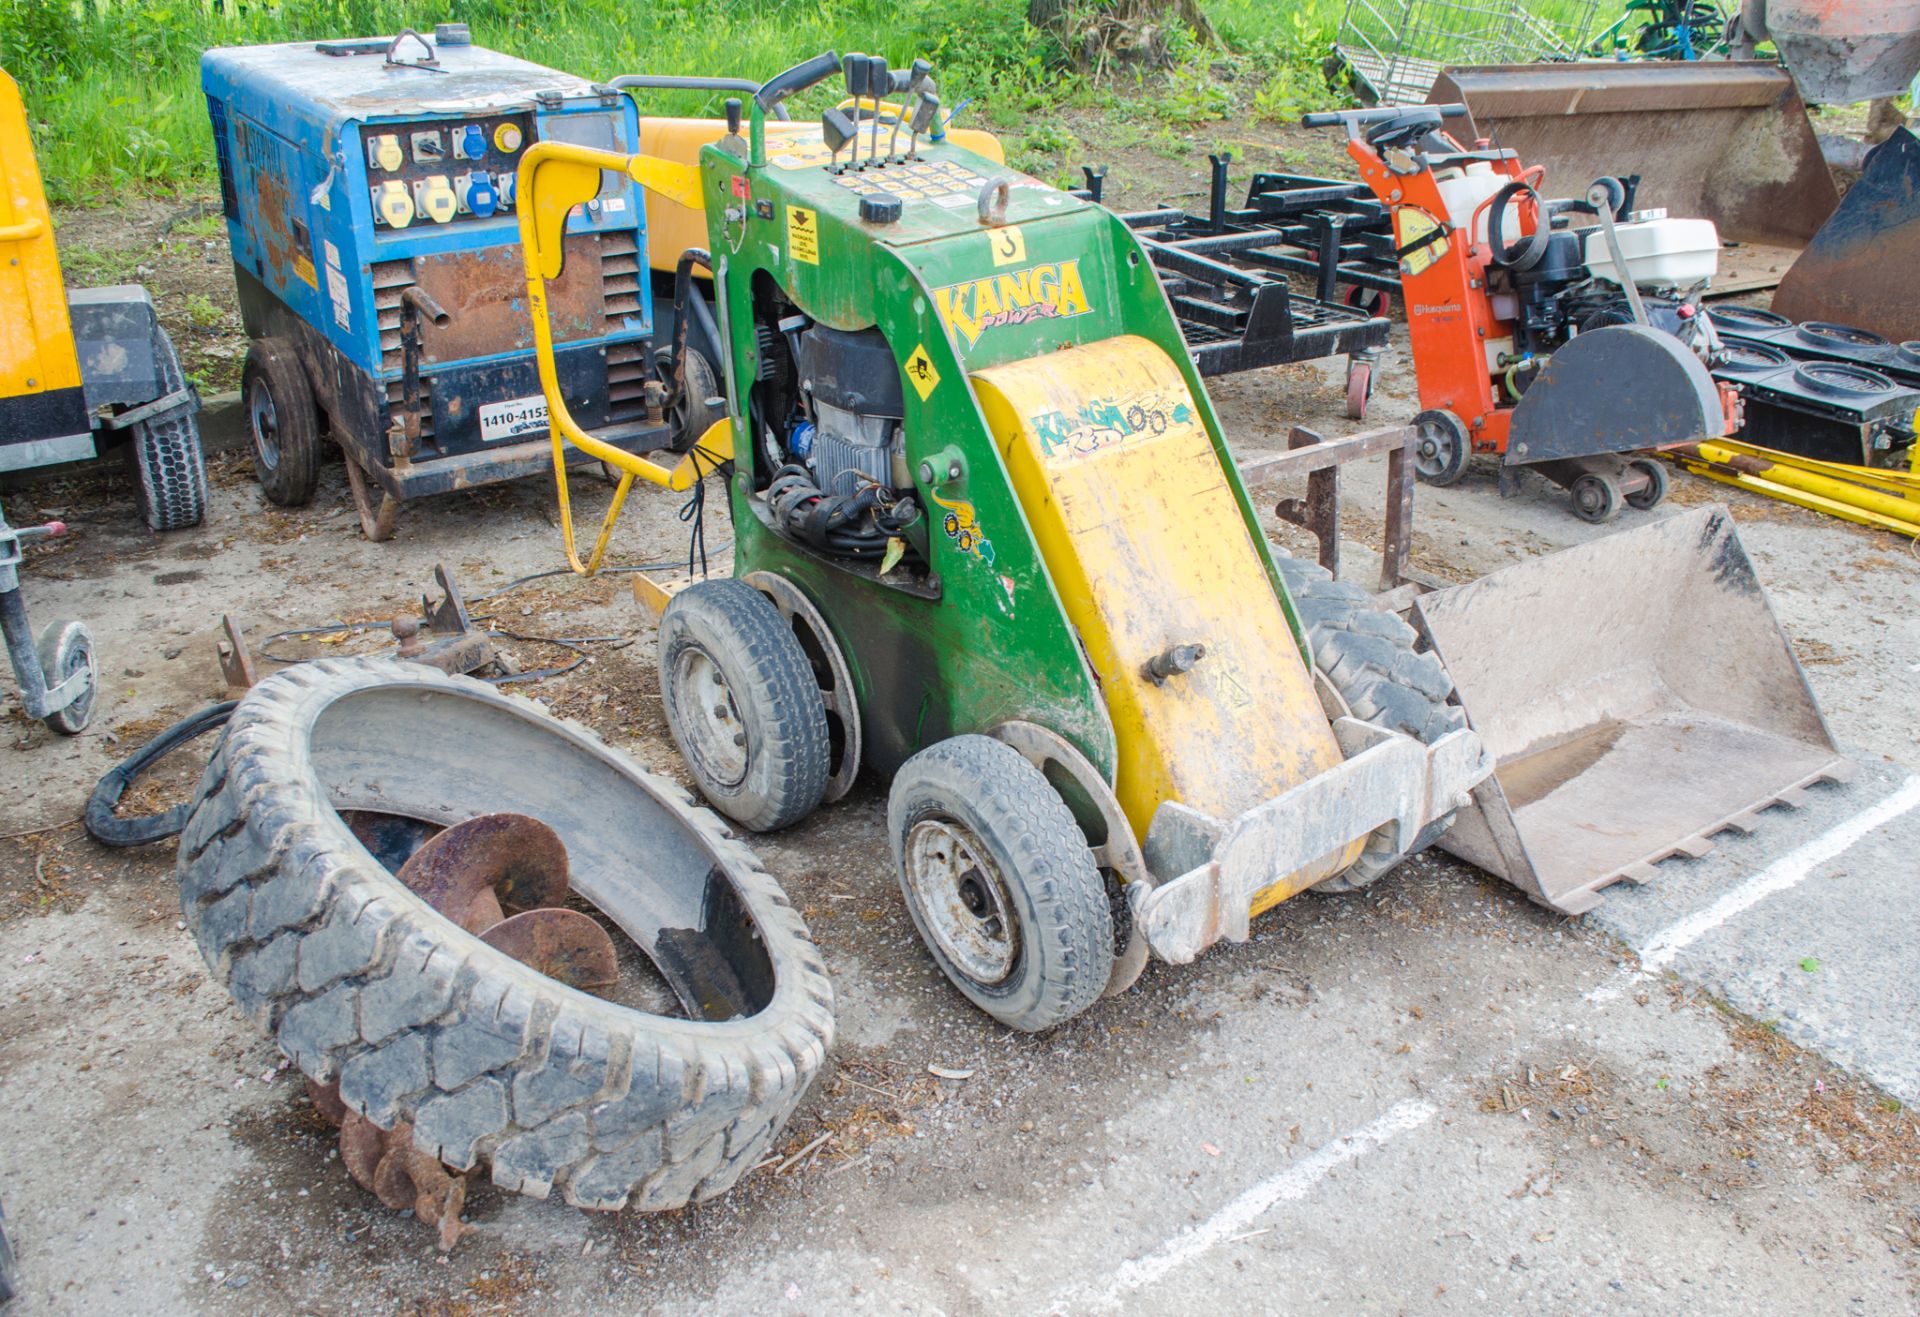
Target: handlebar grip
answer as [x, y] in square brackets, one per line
[797, 79]
[1380, 114]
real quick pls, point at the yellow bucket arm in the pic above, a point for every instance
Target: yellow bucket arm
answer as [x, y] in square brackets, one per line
[555, 177]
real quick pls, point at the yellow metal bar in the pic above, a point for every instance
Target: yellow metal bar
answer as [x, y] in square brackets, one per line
[1887, 505]
[1800, 498]
[1891, 479]
[555, 177]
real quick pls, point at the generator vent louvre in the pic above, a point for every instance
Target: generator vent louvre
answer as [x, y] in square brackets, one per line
[396, 395]
[223, 156]
[620, 275]
[390, 280]
[626, 372]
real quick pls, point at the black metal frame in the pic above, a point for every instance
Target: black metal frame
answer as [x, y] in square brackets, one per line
[1228, 272]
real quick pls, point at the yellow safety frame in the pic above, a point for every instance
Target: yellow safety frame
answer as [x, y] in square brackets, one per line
[554, 178]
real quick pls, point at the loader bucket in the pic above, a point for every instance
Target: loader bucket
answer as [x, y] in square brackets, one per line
[1638, 697]
[1721, 140]
[1859, 269]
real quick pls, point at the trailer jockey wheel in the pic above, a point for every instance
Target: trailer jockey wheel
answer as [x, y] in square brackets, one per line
[1596, 498]
[1359, 388]
[1655, 490]
[1440, 456]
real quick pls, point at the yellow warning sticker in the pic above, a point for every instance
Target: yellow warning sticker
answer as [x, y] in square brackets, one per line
[920, 372]
[1423, 239]
[1009, 245]
[803, 234]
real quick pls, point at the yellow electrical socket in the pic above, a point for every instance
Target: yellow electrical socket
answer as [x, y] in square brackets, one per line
[386, 153]
[392, 204]
[435, 197]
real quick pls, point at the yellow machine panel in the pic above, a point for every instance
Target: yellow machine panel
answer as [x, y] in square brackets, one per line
[673, 227]
[1142, 537]
[36, 339]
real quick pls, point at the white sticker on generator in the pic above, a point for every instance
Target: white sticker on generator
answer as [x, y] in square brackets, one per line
[337, 291]
[513, 418]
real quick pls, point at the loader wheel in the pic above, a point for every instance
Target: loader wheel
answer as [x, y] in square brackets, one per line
[169, 469]
[1596, 498]
[1656, 489]
[743, 705]
[1000, 883]
[1372, 659]
[1440, 456]
[363, 981]
[283, 428]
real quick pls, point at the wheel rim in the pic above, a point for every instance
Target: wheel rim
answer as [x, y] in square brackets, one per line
[264, 418]
[1434, 454]
[79, 659]
[963, 902]
[716, 734]
[1590, 497]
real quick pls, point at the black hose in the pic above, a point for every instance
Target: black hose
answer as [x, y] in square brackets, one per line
[108, 828]
[1533, 248]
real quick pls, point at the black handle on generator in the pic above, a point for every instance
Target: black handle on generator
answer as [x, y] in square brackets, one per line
[797, 79]
[1380, 114]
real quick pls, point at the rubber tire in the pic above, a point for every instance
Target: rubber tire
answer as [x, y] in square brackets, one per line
[1605, 504]
[63, 645]
[1359, 389]
[774, 694]
[1373, 659]
[289, 479]
[1453, 463]
[1654, 494]
[693, 416]
[1067, 937]
[419, 1021]
[169, 468]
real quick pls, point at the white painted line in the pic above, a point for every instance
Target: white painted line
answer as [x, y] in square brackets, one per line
[1664, 947]
[1229, 1222]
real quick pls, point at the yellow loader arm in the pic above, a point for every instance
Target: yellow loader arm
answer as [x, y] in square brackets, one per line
[555, 177]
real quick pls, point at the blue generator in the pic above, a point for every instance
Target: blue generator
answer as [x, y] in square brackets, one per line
[368, 187]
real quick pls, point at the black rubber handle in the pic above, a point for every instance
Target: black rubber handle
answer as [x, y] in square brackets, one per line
[797, 79]
[1328, 118]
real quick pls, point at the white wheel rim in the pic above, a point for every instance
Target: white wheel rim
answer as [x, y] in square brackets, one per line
[716, 734]
[963, 902]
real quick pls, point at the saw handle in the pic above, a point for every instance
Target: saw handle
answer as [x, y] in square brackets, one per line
[1353, 119]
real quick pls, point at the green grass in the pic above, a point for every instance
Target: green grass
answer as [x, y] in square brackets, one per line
[113, 89]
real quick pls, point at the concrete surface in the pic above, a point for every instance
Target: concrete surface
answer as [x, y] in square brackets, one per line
[1431, 1096]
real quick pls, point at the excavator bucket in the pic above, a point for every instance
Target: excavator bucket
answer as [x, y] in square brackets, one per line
[1859, 269]
[1722, 140]
[1638, 697]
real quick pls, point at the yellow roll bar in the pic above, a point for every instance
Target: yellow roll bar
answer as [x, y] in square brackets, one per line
[554, 178]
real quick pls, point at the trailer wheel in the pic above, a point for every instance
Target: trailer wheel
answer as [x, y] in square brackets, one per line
[489, 1060]
[170, 470]
[66, 648]
[283, 428]
[1596, 498]
[1373, 660]
[743, 704]
[1440, 456]
[1655, 491]
[1000, 883]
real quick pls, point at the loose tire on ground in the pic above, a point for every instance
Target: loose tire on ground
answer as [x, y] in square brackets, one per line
[1032, 862]
[362, 982]
[743, 705]
[1372, 659]
[169, 469]
[283, 426]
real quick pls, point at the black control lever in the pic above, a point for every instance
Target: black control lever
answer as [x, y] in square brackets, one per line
[925, 112]
[880, 80]
[836, 129]
[796, 79]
